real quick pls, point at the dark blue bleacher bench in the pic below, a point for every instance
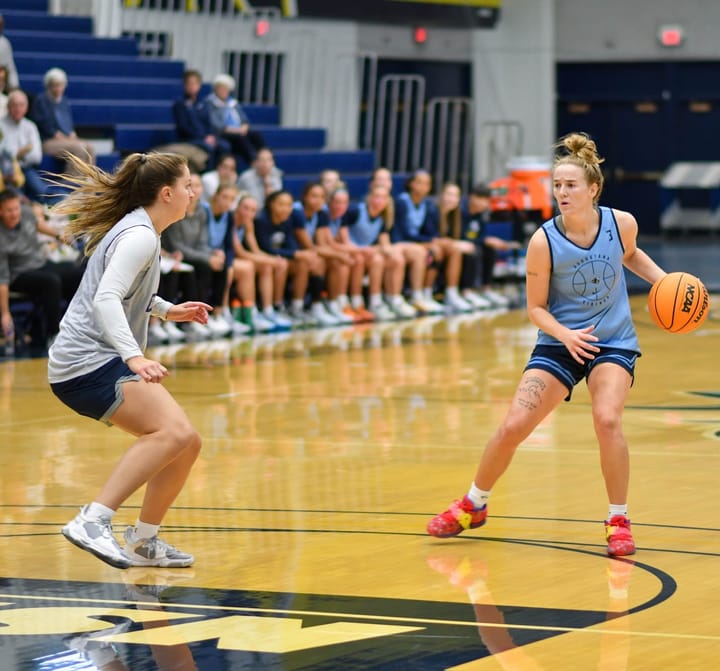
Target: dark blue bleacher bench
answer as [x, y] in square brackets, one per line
[61, 42]
[98, 88]
[38, 62]
[140, 136]
[24, 19]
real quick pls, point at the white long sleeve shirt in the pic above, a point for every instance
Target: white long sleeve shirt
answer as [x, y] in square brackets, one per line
[109, 314]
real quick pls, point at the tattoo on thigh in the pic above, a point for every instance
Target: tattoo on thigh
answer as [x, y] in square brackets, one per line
[531, 389]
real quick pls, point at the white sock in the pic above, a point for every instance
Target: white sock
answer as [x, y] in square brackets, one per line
[375, 300]
[268, 311]
[427, 293]
[342, 301]
[451, 293]
[478, 496]
[334, 305]
[417, 295]
[395, 300]
[145, 530]
[617, 509]
[297, 304]
[95, 510]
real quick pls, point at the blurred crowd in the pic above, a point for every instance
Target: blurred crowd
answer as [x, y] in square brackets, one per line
[264, 260]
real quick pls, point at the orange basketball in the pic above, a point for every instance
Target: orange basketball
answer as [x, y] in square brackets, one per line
[678, 303]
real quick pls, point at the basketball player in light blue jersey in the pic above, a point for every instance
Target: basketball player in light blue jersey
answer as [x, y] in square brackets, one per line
[576, 296]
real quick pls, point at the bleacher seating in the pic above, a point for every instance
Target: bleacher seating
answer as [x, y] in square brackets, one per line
[124, 98]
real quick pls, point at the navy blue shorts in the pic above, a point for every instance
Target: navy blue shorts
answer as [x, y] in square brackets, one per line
[556, 360]
[97, 394]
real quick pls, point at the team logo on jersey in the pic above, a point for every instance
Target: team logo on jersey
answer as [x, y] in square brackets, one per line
[594, 279]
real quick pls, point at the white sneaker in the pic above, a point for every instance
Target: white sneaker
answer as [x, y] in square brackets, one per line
[428, 306]
[322, 316]
[383, 313]
[174, 334]
[157, 334]
[280, 320]
[289, 315]
[227, 315]
[96, 537]
[476, 300]
[218, 326]
[196, 331]
[457, 304]
[240, 328]
[496, 298]
[154, 552]
[304, 319]
[403, 310]
[260, 323]
[335, 311]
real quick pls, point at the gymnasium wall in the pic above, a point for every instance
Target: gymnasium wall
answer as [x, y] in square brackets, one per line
[621, 30]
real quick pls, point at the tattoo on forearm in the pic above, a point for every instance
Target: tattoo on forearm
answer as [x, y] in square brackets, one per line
[531, 389]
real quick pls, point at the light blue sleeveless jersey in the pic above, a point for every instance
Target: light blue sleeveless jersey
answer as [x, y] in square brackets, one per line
[587, 286]
[365, 231]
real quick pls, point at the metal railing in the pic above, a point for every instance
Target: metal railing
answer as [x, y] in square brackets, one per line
[399, 121]
[257, 75]
[448, 142]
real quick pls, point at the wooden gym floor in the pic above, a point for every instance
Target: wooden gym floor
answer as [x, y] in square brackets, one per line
[325, 453]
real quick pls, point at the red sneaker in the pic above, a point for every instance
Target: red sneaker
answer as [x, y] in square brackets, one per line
[619, 537]
[459, 516]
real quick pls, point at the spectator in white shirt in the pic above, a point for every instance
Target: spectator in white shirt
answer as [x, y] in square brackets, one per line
[22, 140]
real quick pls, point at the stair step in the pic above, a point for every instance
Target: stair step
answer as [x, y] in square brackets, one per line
[28, 41]
[40, 20]
[96, 65]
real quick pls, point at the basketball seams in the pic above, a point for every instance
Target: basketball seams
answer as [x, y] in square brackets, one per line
[669, 295]
[680, 283]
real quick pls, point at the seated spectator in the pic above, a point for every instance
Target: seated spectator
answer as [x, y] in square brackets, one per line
[367, 226]
[53, 117]
[331, 182]
[22, 140]
[225, 173]
[228, 121]
[450, 226]
[416, 221]
[7, 58]
[189, 238]
[382, 176]
[275, 233]
[474, 219]
[3, 90]
[221, 230]
[24, 267]
[262, 178]
[267, 273]
[191, 121]
[365, 262]
[332, 269]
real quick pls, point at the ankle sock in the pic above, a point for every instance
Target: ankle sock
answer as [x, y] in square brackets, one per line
[95, 510]
[478, 496]
[145, 530]
[617, 509]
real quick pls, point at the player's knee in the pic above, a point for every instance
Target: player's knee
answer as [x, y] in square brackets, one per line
[512, 432]
[606, 421]
[183, 436]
